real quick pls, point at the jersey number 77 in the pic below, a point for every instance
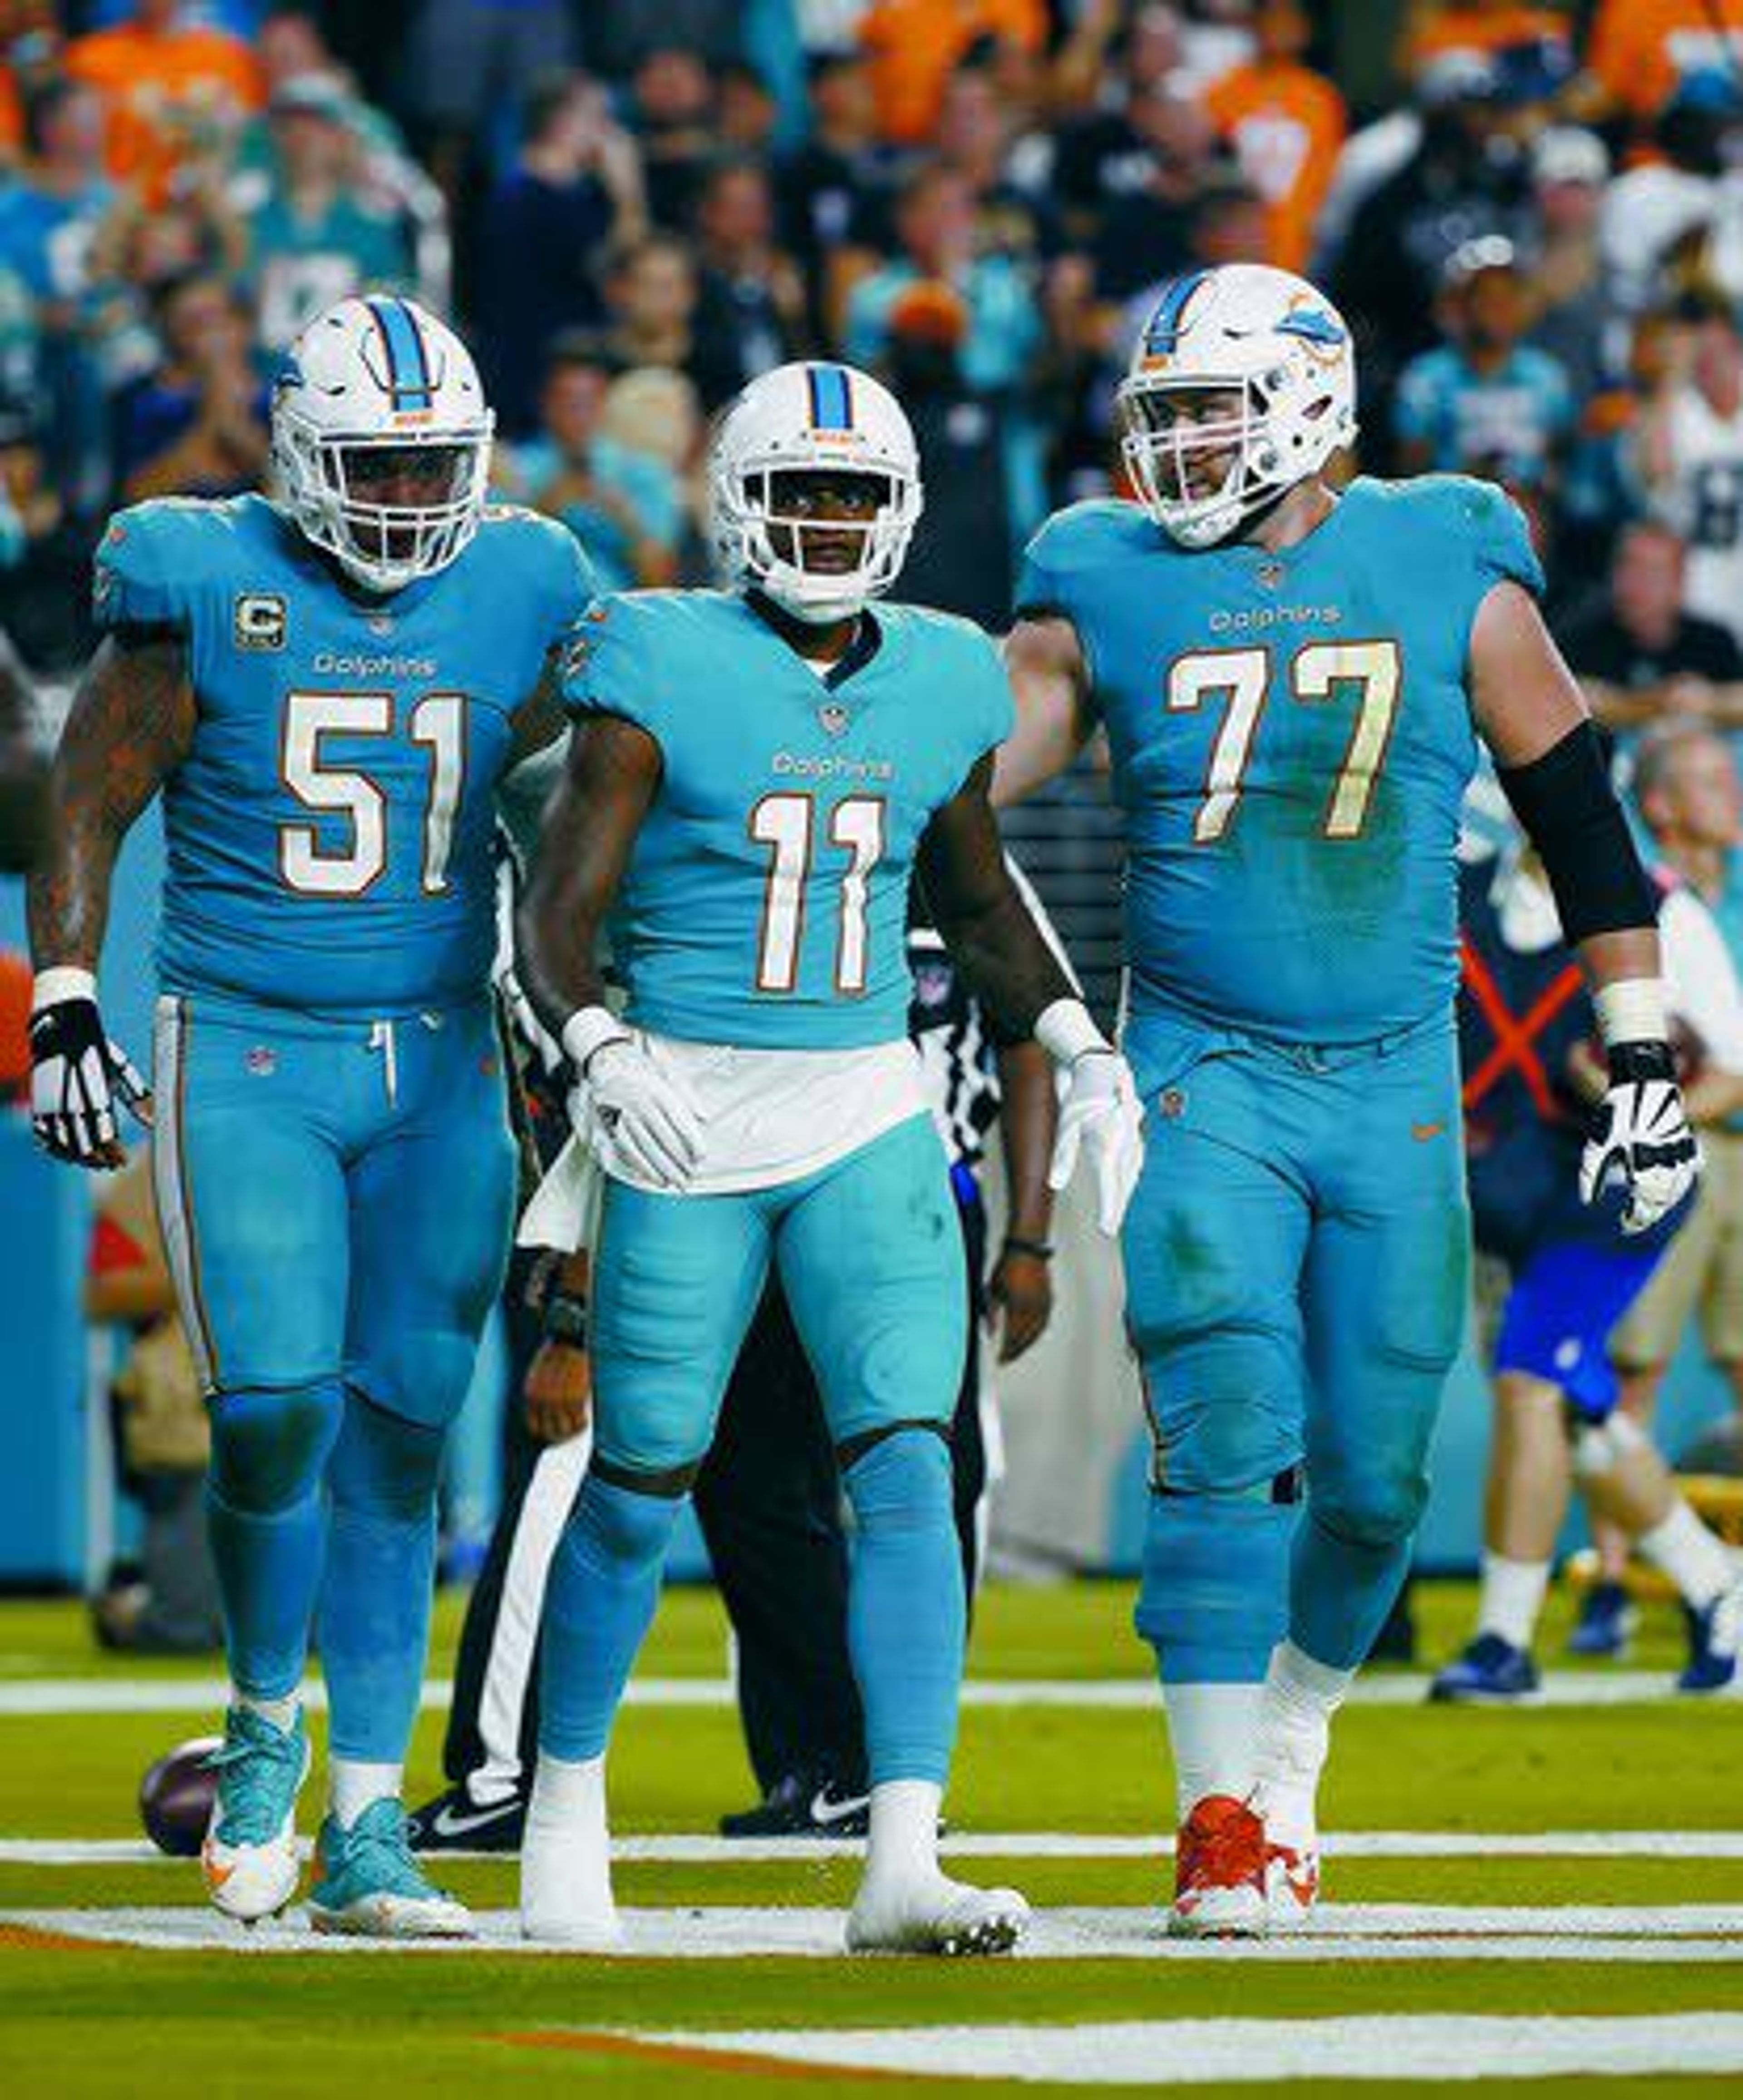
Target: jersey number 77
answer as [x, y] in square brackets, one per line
[1241, 678]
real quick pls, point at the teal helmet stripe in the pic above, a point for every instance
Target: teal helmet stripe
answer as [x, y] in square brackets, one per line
[1162, 332]
[831, 397]
[408, 380]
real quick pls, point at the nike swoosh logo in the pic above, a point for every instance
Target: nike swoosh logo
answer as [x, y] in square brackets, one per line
[448, 1824]
[823, 1810]
[1422, 1131]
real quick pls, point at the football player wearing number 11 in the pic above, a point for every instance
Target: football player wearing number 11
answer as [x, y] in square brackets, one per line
[755, 775]
[326, 690]
[1292, 683]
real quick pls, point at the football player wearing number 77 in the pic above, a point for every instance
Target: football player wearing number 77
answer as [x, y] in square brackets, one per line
[1293, 682]
[326, 690]
[755, 776]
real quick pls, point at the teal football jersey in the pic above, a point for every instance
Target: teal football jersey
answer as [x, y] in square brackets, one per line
[1291, 739]
[329, 833]
[764, 905]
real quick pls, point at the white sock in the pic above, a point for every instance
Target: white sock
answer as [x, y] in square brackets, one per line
[1295, 1733]
[1511, 1598]
[566, 1858]
[1212, 1731]
[281, 1713]
[353, 1785]
[904, 1840]
[1690, 1555]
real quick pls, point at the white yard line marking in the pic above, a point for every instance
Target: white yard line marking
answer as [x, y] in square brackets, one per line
[47, 1695]
[1201, 2052]
[1352, 1932]
[698, 1850]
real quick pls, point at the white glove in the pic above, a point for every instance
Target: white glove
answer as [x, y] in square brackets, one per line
[77, 1074]
[1102, 1116]
[1639, 1135]
[636, 1116]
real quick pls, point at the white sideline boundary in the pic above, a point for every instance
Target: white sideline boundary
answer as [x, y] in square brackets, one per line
[1682, 1935]
[44, 1696]
[1436, 2046]
[700, 1849]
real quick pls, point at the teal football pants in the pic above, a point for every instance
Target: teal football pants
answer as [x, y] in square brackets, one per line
[1297, 1256]
[869, 1255]
[336, 1200]
[870, 1258]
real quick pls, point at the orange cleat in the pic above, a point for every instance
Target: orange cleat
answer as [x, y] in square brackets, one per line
[1219, 1873]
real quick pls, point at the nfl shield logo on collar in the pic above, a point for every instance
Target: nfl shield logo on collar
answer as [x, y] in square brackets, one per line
[833, 717]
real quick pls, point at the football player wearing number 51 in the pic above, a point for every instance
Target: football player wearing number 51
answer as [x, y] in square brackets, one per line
[326, 689]
[1293, 682]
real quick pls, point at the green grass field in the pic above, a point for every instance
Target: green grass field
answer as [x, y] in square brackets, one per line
[1634, 1931]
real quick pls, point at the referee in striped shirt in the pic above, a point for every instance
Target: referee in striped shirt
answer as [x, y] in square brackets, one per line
[769, 1497]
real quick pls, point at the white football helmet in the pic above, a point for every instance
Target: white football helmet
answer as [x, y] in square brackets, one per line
[806, 419]
[373, 376]
[1261, 334]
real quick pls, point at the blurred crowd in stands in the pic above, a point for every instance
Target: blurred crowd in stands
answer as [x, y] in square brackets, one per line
[1532, 214]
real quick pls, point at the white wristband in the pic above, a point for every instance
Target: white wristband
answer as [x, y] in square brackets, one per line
[53, 987]
[1065, 1031]
[1631, 1011]
[587, 1030]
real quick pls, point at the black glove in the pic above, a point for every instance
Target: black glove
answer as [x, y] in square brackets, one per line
[76, 1077]
[1639, 1132]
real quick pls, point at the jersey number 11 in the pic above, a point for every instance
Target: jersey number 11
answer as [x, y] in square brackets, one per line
[787, 824]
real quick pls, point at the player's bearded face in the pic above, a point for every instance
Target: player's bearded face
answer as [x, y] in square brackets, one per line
[1201, 430]
[820, 523]
[397, 479]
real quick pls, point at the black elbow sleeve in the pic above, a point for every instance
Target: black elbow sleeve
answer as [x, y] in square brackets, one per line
[1571, 814]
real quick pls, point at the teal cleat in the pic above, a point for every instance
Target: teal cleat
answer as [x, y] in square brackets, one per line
[249, 1857]
[369, 1883]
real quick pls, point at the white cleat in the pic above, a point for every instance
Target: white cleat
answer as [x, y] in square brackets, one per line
[566, 1897]
[249, 1858]
[934, 1915]
[248, 1882]
[437, 1916]
[1291, 1886]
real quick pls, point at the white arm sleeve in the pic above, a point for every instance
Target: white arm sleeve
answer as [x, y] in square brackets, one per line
[1700, 980]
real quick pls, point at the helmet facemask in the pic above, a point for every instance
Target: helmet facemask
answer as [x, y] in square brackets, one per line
[819, 565]
[1172, 457]
[327, 478]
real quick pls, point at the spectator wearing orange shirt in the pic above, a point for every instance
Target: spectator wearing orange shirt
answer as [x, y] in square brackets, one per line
[1287, 124]
[1489, 26]
[1640, 49]
[913, 46]
[171, 91]
[11, 115]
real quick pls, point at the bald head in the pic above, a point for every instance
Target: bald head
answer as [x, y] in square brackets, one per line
[1685, 782]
